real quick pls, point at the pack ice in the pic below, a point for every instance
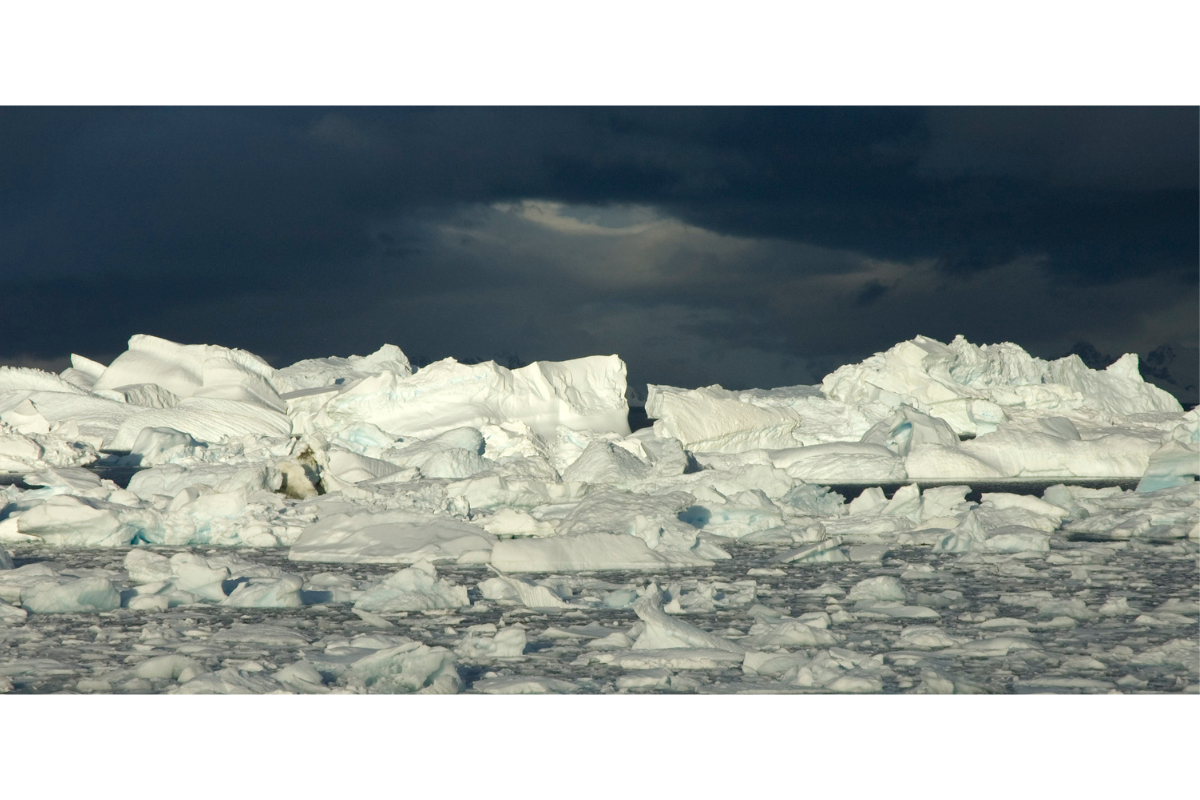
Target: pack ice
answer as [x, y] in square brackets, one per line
[474, 492]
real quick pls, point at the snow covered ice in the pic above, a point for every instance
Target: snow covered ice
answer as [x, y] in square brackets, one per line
[352, 525]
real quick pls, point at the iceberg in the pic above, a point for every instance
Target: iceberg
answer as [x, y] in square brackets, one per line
[391, 537]
[972, 387]
[585, 393]
[416, 588]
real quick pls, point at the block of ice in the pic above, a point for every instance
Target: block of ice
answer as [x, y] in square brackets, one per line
[926, 637]
[19, 453]
[192, 573]
[510, 522]
[939, 462]
[302, 677]
[6, 561]
[416, 588]
[969, 387]
[170, 479]
[588, 551]
[662, 631]
[584, 393]
[508, 643]
[788, 633]
[655, 519]
[527, 593]
[406, 668]
[390, 537]
[840, 461]
[313, 373]
[715, 419]
[229, 680]
[145, 566]
[282, 592]
[524, 684]
[11, 614]
[192, 370]
[161, 446]
[1015, 452]
[1177, 461]
[207, 419]
[85, 596]
[907, 428]
[839, 670]
[69, 521]
[170, 667]
[607, 462]
[261, 633]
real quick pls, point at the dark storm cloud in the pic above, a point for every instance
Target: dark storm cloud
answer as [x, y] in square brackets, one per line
[789, 236]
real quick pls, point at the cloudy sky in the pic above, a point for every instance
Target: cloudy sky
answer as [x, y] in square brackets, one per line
[740, 246]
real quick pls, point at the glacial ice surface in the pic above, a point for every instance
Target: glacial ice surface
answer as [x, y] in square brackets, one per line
[350, 525]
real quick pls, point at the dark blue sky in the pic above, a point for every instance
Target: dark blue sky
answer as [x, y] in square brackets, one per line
[741, 246]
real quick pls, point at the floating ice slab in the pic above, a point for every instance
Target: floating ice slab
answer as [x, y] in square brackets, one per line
[588, 551]
[417, 588]
[391, 537]
[87, 595]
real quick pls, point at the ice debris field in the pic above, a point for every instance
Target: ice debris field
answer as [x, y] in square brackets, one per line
[350, 525]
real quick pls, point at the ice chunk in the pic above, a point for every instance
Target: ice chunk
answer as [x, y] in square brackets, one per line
[207, 419]
[171, 479]
[514, 522]
[655, 519]
[282, 592]
[840, 461]
[926, 637]
[161, 446]
[908, 428]
[839, 670]
[68, 521]
[261, 633]
[715, 419]
[170, 667]
[313, 373]
[83, 371]
[229, 680]
[1177, 461]
[192, 370]
[86, 595]
[970, 387]
[10, 614]
[411, 667]
[585, 393]
[192, 573]
[788, 633]
[527, 593]
[524, 684]
[145, 566]
[417, 588]
[607, 462]
[589, 551]
[883, 587]
[508, 643]
[303, 677]
[390, 537]
[663, 631]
